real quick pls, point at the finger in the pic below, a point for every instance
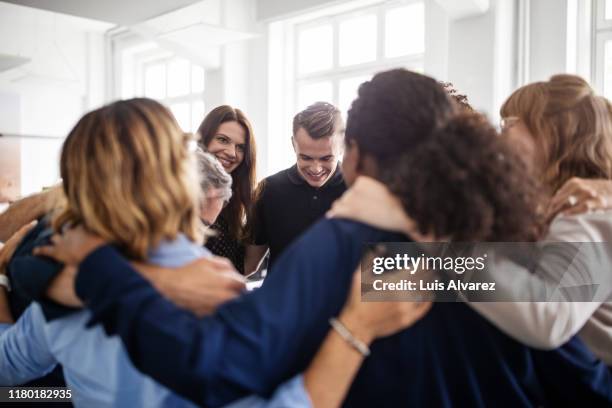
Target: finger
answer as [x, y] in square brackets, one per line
[577, 209]
[25, 229]
[18, 236]
[56, 239]
[45, 250]
[220, 261]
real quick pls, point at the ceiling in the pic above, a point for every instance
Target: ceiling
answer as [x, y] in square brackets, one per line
[120, 12]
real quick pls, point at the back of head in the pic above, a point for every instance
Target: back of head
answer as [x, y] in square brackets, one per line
[212, 174]
[129, 177]
[321, 119]
[572, 127]
[393, 113]
[447, 166]
[466, 184]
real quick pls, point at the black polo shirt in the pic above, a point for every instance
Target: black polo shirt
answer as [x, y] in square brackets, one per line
[288, 205]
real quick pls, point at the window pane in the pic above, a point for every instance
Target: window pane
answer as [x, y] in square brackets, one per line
[314, 92]
[608, 69]
[315, 47]
[347, 91]
[197, 79]
[405, 30]
[178, 77]
[197, 114]
[182, 115]
[155, 81]
[608, 11]
[357, 40]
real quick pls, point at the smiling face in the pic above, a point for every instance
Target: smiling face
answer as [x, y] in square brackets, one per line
[228, 145]
[317, 159]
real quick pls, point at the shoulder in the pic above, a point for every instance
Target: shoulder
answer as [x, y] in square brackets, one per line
[333, 238]
[278, 180]
[589, 227]
[177, 252]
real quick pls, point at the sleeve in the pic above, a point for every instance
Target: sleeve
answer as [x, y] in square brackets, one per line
[571, 276]
[250, 345]
[292, 393]
[259, 229]
[24, 352]
[573, 376]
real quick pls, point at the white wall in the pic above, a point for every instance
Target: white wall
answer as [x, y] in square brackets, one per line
[64, 78]
[548, 37]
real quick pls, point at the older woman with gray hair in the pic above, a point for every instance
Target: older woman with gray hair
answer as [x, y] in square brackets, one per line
[216, 185]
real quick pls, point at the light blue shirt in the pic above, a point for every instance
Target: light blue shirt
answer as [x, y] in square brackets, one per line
[96, 367]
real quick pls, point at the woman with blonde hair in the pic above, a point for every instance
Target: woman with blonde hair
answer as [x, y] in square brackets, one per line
[128, 176]
[563, 130]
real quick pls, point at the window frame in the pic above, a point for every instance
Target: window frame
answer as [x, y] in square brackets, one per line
[337, 73]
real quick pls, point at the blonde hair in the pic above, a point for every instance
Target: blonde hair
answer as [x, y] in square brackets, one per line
[129, 177]
[572, 127]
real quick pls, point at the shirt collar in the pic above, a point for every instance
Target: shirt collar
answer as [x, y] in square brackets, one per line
[334, 180]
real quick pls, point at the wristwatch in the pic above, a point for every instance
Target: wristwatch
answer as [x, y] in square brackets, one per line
[4, 281]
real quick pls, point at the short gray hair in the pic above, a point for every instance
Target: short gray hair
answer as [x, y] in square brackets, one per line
[212, 174]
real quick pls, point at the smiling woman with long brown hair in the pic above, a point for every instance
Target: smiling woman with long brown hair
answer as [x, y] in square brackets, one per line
[228, 135]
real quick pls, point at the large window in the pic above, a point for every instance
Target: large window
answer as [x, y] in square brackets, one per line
[335, 54]
[178, 84]
[603, 44]
[142, 68]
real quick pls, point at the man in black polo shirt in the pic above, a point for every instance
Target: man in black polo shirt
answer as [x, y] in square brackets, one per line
[292, 200]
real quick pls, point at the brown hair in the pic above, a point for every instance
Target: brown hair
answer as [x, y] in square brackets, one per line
[321, 119]
[244, 177]
[448, 169]
[468, 184]
[572, 127]
[129, 177]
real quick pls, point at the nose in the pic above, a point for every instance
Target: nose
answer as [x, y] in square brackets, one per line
[231, 151]
[317, 168]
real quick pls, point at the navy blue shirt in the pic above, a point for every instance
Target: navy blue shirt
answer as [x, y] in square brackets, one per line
[250, 345]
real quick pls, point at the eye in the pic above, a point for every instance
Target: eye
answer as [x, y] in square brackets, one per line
[240, 148]
[222, 139]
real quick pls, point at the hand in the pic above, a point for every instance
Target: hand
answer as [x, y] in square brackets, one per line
[370, 320]
[71, 247]
[202, 285]
[61, 289]
[8, 249]
[579, 195]
[369, 201]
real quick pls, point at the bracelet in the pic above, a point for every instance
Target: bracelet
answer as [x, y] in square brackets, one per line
[4, 281]
[357, 344]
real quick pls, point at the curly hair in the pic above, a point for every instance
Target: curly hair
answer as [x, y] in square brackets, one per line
[460, 99]
[468, 184]
[454, 176]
